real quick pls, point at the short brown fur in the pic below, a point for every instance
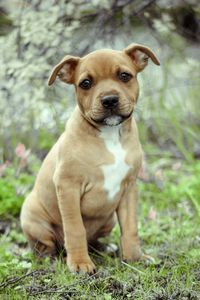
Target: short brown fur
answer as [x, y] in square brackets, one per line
[69, 205]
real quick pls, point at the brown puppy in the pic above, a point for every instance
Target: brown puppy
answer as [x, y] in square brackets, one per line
[90, 173]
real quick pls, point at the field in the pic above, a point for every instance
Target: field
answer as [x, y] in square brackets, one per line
[169, 217]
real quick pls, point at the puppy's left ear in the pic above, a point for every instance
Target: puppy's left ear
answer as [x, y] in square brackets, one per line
[65, 70]
[140, 55]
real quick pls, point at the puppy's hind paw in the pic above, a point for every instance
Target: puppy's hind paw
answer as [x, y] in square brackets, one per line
[147, 259]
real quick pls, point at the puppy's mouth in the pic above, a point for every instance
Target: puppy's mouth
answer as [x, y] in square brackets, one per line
[113, 119]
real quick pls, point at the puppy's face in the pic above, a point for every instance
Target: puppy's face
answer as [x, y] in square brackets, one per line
[106, 86]
[105, 81]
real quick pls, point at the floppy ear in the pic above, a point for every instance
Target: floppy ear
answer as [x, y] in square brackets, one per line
[140, 55]
[64, 70]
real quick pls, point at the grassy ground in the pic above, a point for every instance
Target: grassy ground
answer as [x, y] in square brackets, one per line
[169, 214]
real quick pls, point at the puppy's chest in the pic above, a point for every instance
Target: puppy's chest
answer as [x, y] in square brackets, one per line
[115, 171]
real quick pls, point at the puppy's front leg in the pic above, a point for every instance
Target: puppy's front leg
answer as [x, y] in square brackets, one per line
[68, 193]
[127, 217]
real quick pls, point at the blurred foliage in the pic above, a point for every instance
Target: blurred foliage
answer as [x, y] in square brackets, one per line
[13, 189]
[16, 180]
[185, 188]
[44, 31]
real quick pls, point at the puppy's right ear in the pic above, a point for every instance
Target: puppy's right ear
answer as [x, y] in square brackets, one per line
[65, 70]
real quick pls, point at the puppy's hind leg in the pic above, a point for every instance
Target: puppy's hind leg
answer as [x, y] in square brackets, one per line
[40, 239]
[95, 244]
[39, 233]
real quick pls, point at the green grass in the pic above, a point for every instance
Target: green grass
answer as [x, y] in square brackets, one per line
[171, 235]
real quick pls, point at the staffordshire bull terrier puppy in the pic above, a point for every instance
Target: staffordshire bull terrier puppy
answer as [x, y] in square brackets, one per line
[90, 173]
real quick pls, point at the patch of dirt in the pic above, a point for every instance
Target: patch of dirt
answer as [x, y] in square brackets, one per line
[5, 226]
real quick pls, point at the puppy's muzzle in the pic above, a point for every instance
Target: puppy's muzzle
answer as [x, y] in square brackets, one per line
[110, 101]
[112, 114]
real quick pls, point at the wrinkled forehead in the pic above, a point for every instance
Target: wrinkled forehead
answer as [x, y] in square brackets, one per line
[103, 63]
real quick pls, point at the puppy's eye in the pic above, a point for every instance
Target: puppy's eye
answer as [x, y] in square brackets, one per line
[86, 84]
[125, 77]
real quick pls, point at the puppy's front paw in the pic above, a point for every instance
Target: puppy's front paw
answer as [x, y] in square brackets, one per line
[84, 265]
[132, 254]
[138, 255]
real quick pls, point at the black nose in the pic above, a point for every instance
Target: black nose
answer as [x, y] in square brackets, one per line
[110, 101]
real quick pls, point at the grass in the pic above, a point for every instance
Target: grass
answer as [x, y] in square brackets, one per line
[169, 214]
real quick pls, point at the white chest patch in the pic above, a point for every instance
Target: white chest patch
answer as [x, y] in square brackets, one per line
[113, 173]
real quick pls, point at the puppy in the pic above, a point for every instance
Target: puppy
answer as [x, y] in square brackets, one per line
[90, 173]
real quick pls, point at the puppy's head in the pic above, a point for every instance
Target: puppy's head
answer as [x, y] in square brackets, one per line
[105, 81]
